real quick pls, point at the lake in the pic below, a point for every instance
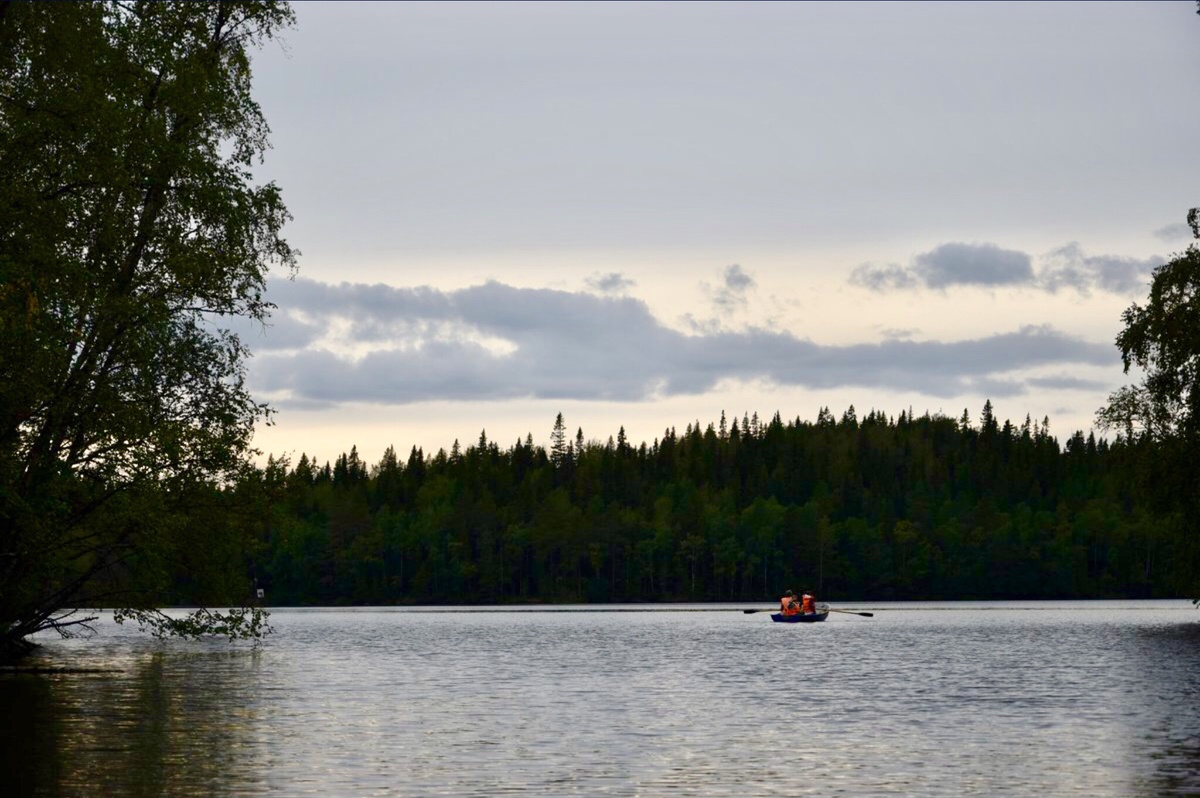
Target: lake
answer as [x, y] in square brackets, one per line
[1021, 699]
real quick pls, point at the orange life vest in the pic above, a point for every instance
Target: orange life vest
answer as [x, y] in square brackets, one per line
[788, 606]
[808, 605]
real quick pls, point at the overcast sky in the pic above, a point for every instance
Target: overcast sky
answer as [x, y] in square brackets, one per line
[647, 214]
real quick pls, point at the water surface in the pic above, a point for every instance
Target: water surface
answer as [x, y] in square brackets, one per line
[1081, 698]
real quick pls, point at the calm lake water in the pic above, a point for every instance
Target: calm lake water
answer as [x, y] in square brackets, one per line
[1021, 699]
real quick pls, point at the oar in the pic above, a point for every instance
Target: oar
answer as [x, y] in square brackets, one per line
[830, 609]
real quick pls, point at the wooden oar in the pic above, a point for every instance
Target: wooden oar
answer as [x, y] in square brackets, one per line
[748, 612]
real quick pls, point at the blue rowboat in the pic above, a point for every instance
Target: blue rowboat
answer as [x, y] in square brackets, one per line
[821, 614]
[779, 617]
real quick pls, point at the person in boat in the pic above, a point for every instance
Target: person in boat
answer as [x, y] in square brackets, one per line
[808, 603]
[789, 605]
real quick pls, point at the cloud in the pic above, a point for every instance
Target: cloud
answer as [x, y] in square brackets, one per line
[389, 345]
[899, 332]
[973, 264]
[730, 296]
[736, 279]
[283, 331]
[611, 283]
[883, 278]
[1172, 233]
[1070, 267]
[948, 265]
[988, 265]
[1065, 383]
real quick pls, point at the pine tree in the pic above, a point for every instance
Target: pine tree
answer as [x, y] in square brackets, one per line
[558, 442]
[987, 420]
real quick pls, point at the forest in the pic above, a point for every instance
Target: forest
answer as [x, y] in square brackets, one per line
[877, 508]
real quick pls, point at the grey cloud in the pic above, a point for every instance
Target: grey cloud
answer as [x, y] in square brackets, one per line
[317, 299]
[611, 283]
[997, 388]
[1173, 233]
[305, 310]
[941, 368]
[429, 346]
[1067, 384]
[701, 326]
[1070, 267]
[731, 294]
[949, 265]
[973, 264]
[439, 370]
[882, 278]
[736, 278]
[956, 264]
[282, 331]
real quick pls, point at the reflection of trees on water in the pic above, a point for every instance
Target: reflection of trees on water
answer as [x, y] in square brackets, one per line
[1169, 683]
[170, 725]
[1177, 769]
[28, 734]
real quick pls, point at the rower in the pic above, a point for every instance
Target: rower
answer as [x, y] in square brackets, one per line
[788, 605]
[808, 603]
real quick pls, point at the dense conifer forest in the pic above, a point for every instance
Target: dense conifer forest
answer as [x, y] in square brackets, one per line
[926, 507]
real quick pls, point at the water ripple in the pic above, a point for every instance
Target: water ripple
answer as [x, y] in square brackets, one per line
[1095, 699]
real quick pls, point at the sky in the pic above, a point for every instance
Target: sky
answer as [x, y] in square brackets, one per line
[642, 215]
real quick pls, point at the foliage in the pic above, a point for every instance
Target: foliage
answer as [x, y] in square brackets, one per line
[131, 230]
[866, 507]
[236, 624]
[1162, 339]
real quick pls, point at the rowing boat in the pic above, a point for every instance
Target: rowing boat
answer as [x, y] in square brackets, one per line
[813, 618]
[821, 614]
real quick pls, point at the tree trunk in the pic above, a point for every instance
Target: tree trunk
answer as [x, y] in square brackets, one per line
[13, 648]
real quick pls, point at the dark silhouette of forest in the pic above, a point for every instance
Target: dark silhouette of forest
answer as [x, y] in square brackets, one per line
[880, 508]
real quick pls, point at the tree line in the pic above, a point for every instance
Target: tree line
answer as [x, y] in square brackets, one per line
[926, 507]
